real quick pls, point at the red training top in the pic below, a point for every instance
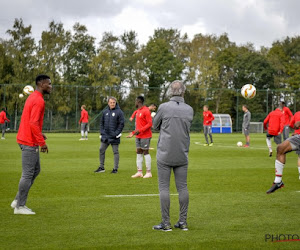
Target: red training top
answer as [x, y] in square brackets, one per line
[30, 129]
[84, 116]
[276, 122]
[295, 118]
[143, 123]
[3, 117]
[208, 117]
[287, 115]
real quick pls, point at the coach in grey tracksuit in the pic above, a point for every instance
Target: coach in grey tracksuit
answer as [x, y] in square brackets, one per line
[246, 124]
[173, 119]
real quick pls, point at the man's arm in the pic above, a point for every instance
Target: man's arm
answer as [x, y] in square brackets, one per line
[247, 125]
[290, 113]
[121, 122]
[34, 122]
[102, 124]
[292, 122]
[211, 116]
[81, 117]
[5, 118]
[281, 123]
[157, 121]
[266, 122]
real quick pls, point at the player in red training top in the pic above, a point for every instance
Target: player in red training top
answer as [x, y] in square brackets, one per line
[275, 122]
[143, 135]
[290, 144]
[3, 118]
[152, 107]
[84, 120]
[207, 123]
[287, 118]
[30, 138]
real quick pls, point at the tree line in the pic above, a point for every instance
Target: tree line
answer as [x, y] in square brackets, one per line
[212, 67]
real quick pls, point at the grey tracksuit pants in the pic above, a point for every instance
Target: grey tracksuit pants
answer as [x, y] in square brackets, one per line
[164, 174]
[286, 132]
[102, 150]
[30, 170]
[3, 127]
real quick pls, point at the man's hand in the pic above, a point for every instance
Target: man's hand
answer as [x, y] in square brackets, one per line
[279, 133]
[297, 125]
[79, 123]
[130, 135]
[45, 137]
[130, 119]
[44, 149]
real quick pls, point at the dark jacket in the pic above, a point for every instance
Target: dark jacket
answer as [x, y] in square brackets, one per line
[111, 125]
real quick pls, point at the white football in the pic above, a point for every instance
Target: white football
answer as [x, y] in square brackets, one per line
[248, 91]
[153, 114]
[28, 89]
[239, 144]
[21, 95]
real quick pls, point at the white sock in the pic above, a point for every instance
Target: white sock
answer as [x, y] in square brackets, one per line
[86, 133]
[148, 162]
[139, 161]
[82, 133]
[299, 170]
[269, 143]
[278, 171]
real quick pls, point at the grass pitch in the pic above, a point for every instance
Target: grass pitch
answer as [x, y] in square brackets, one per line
[229, 207]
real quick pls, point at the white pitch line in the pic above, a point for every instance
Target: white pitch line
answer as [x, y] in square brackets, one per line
[132, 195]
[229, 146]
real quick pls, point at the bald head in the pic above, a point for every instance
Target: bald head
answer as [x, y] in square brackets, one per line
[176, 88]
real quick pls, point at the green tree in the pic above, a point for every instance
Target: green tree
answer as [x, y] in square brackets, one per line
[51, 50]
[79, 54]
[105, 70]
[162, 64]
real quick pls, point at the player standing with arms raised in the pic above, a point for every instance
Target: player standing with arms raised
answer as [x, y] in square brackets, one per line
[3, 119]
[287, 118]
[246, 125]
[207, 123]
[275, 122]
[30, 138]
[84, 121]
[290, 144]
[143, 135]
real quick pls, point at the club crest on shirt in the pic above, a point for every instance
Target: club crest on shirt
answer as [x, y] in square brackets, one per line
[140, 114]
[106, 113]
[113, 114]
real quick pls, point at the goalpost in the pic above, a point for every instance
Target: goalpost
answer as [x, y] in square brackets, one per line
[256, 127]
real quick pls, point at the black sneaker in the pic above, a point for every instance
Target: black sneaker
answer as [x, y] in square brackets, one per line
[162, 227]
[275, 186]
[181, 225]
[270, 154]
[114, 171]
[100, 170]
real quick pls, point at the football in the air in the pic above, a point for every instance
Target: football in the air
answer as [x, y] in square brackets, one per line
[248, 91]
[239, 144]
[28, 89]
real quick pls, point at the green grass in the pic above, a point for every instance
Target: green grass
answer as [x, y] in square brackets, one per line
[229, 208]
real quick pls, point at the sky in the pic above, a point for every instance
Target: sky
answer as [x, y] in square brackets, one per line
[260, 22]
